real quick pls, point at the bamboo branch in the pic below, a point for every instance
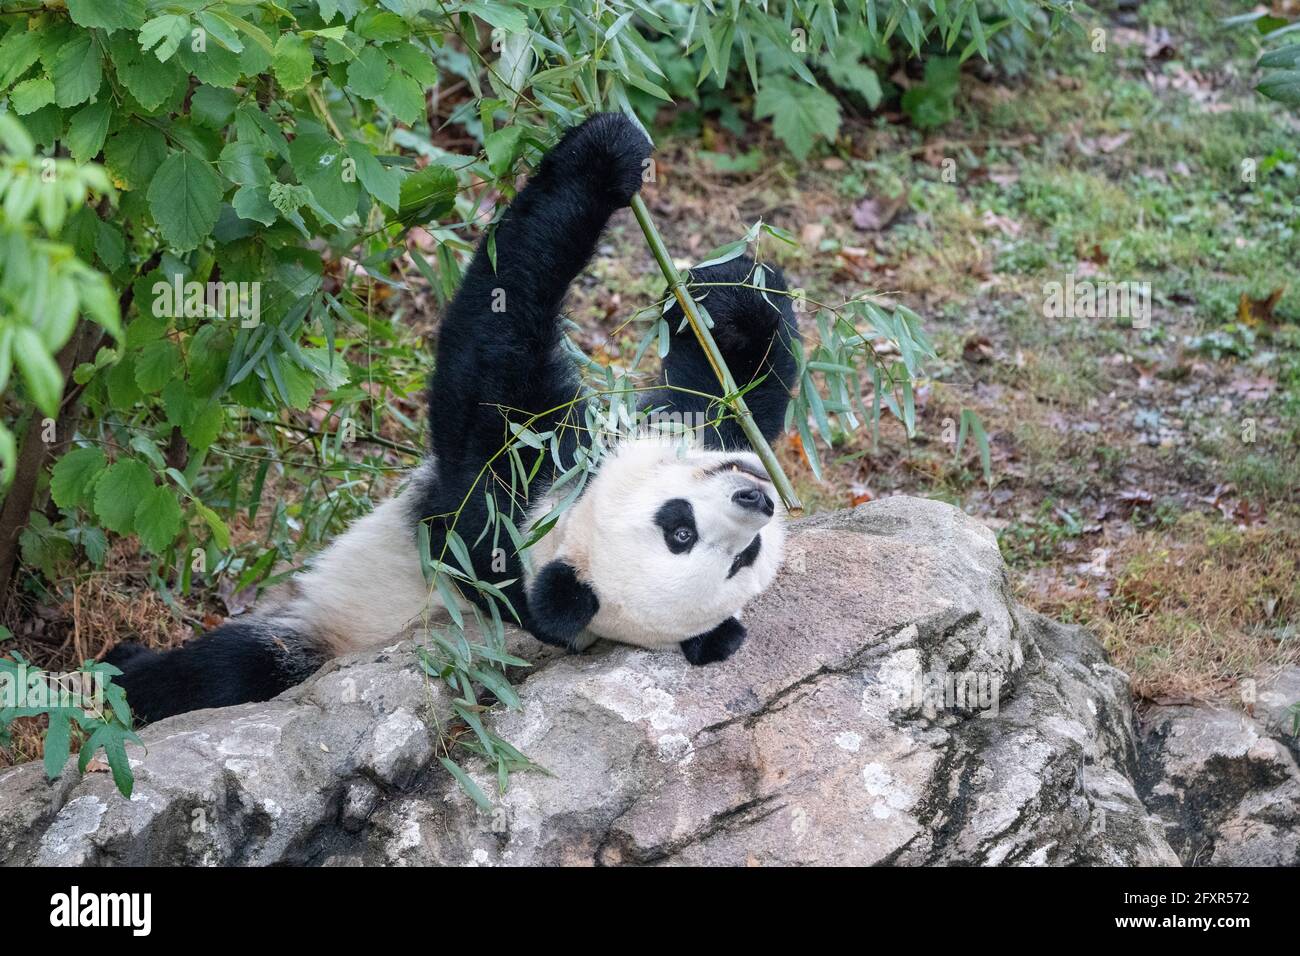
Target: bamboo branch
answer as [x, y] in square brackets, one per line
[678, 288]
[736, 402]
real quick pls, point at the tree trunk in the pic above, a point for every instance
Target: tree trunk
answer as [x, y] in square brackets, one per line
[34, 453]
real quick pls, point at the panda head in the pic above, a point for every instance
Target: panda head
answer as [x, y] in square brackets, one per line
[665, 543]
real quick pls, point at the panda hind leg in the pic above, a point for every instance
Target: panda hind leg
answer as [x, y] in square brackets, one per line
[244, 660]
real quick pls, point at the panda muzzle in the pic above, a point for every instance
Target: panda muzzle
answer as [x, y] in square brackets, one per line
[753, 498]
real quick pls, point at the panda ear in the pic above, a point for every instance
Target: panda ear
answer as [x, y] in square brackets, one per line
[559, 605]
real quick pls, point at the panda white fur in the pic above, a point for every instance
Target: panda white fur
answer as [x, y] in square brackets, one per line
[667, 541]
[677, 541]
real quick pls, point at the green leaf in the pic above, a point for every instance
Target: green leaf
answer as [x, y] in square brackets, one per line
[118, 494]
[110, 245]
[801, 113]
[30, 95]
[380, 25]
[317, 159]
[1283, 86]
[99, 302]
[57, 741]
[145, 327]
[220, 532]
[244, 164]
[261, 41]
[647, 86]
[77, 71]
[122, 390]
[466, 784]
[972, 421]
[286, 197]
[134, 155]
[299, 386]
[932, 102]
[414, 61]
[1287, 57]
[403, 97]
[428, 193]
[185, 199]
[218, 66]
[382, 182]
[212, 106]
[87, 130]
[368, 73]
[850, 74]
[156, 365]
[292, 61]
[180, 403]
[500, 15]
[144, 445]
[502, 147]
[205, 427]
[8, 456]
[222, 29]
[158, 519]
[45, 125]
[150, 82]
[74, 475]
[95, 543]
[166, 32]
[254, 126]
[19, 50]
[113, 738]
[40, 373]
[107, 15]
[253, 202]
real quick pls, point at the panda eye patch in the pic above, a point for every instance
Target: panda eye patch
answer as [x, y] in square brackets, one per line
[676, 519]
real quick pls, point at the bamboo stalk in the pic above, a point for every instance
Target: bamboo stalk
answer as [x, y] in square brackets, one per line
[692, 312]
[677, 286]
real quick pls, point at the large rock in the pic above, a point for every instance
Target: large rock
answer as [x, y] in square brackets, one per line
[892, 705]
[1225, 781]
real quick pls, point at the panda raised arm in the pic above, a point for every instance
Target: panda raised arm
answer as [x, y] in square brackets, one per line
[664, 546]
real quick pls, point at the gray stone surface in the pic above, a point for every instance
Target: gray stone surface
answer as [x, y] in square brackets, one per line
[834, 736]
[1225, 782]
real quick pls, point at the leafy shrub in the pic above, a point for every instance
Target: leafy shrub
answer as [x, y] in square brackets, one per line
[85, 708]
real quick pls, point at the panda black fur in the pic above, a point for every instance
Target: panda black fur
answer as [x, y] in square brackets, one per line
[663, 547]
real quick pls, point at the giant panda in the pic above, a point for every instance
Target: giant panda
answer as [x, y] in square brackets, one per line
[666, 543]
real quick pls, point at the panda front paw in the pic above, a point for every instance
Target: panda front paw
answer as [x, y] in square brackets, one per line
[560, 605]
[607, 153]
[717, 645]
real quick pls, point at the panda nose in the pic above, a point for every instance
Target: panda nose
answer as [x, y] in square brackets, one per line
[753, 499]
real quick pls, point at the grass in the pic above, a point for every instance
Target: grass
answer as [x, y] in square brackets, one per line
[1199, 606]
